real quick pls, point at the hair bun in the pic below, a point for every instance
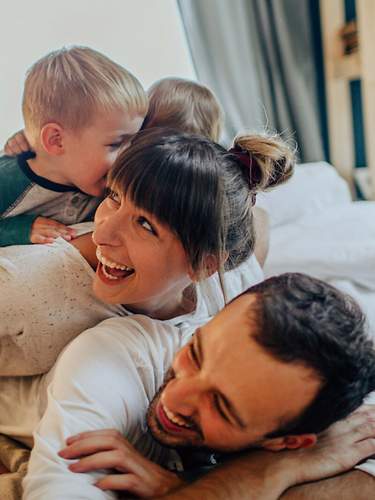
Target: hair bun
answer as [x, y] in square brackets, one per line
[268, 160]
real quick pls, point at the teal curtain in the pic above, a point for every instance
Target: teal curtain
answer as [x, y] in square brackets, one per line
[258, 57]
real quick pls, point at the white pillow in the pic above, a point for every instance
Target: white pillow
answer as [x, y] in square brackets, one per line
[313, 187]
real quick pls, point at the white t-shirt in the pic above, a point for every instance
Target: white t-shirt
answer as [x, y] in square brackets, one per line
[106, 378]
[46, 300]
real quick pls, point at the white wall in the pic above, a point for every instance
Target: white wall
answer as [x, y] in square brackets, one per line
[145, 36]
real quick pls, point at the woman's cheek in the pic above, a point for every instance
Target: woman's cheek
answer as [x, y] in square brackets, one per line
[102, 211]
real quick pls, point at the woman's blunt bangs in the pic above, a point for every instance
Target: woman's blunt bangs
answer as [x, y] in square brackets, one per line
[174, 177]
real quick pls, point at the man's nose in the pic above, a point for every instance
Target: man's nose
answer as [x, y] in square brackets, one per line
[185, 395]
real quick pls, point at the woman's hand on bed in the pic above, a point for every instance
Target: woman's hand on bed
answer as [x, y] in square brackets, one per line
[132, 472]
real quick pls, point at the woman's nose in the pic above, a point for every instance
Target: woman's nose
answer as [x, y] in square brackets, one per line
[108, 229]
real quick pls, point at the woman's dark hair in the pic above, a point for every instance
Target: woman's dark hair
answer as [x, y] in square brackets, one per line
[200, 190]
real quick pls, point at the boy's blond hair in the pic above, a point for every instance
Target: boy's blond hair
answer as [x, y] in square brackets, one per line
[184, 105]
[69, 86]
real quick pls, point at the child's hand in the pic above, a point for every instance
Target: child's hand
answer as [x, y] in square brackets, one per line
[108, 449]
[16, 144]
[46, 230]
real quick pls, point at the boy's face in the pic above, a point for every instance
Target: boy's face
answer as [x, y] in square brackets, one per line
[89, 153]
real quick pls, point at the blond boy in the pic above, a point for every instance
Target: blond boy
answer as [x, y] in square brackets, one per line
[78, 107]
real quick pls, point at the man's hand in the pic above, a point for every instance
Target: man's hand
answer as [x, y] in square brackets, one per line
[108, 449]
[16, 144]
[45, 230]
[340, 448]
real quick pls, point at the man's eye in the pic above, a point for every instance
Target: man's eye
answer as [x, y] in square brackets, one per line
[142, 221]
[193, 355]
[219, 408]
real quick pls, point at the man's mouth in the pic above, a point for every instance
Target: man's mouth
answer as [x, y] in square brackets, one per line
[112, 271]
[171, 422]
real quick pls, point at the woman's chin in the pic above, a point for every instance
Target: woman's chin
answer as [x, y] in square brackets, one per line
[102, 293]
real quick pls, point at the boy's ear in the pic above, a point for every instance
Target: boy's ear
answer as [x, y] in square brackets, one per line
[52, 139]
[289, 442]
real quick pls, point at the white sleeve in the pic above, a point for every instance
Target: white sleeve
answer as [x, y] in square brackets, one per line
[369, 465]
[46, 300]
[104, 379]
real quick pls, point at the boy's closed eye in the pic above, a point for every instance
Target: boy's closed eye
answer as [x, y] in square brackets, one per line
[121, 141]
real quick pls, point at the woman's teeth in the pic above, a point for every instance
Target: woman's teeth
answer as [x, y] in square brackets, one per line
[110, 263]
[111, 269]
[176, 419]
[109, 276]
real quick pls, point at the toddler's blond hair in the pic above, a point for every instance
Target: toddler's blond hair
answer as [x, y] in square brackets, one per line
[184, 105]
[69, 86]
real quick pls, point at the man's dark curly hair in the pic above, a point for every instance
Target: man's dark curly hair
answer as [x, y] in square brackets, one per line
[303, 319]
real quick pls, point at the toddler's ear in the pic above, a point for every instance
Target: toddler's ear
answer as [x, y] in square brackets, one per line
[51, 138]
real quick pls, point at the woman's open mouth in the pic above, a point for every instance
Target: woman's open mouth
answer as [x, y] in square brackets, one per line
[112, 272]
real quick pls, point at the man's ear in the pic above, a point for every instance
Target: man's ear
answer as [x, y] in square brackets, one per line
[289, 442]
[52, 139]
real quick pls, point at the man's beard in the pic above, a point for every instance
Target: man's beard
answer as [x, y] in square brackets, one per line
[160, 434]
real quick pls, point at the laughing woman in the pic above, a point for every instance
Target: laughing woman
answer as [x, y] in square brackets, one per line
[179, 210]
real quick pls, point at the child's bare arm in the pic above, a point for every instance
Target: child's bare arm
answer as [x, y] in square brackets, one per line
[262, 234]
[16, 144]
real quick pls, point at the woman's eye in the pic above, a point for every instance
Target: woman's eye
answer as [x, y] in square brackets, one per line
[142, 221]
[112, 195]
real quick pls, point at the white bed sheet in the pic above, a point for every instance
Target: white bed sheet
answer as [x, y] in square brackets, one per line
[318, 230]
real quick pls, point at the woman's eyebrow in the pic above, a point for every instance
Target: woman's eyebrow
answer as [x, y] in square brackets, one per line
[229, 406]
[125, 137]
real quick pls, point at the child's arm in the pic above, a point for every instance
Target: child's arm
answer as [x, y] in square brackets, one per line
[17, 144]
[16, 230]
[262, 233]
[26, 229]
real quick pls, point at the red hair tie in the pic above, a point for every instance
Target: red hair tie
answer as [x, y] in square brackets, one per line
[250, 165]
